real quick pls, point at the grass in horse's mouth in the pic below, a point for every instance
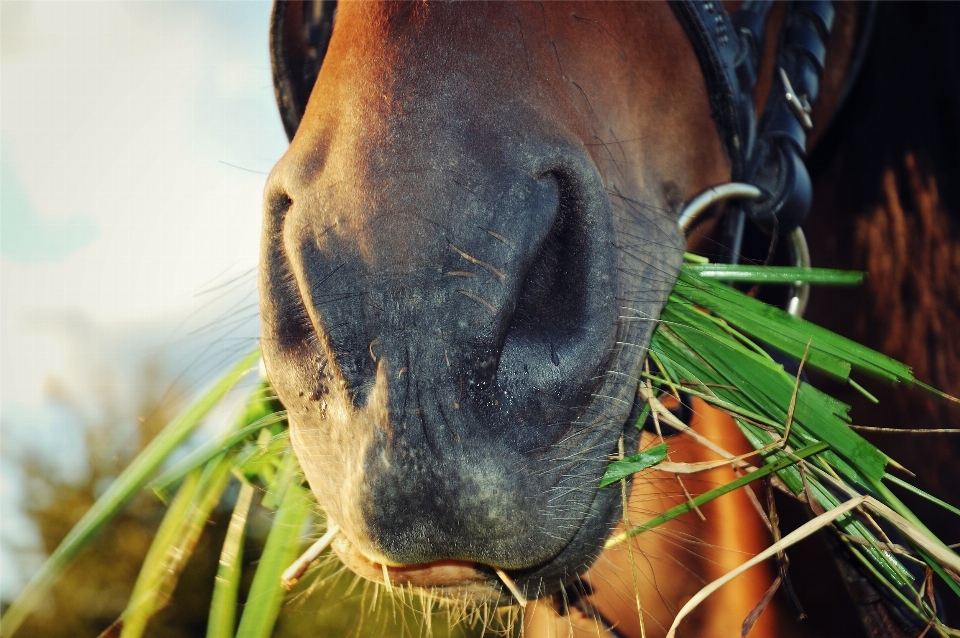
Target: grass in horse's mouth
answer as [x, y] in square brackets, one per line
[712, 342]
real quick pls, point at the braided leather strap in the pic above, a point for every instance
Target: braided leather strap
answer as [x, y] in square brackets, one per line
[776, 163]
[771, 154]
[717, 45]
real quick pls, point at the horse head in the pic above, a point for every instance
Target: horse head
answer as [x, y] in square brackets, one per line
[464, 253]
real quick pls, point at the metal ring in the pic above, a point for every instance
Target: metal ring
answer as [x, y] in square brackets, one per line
[800, 293]
[714, 194]
[797, 241]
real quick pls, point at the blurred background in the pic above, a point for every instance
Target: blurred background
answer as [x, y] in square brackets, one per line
[135, 139]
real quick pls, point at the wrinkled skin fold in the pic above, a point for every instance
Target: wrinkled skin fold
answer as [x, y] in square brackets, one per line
[464, 252]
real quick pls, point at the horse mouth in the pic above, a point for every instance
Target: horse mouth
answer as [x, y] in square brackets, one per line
[450, 581]
[473, 582]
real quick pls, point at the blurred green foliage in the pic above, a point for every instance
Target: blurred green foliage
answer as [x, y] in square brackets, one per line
[94, 591]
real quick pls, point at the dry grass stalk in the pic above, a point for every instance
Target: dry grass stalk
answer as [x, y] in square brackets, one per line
[797, 535]
[293, 573]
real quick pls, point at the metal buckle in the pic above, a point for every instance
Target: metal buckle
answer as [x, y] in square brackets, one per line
[798, 104]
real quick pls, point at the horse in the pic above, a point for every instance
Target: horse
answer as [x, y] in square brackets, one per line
[464, 252]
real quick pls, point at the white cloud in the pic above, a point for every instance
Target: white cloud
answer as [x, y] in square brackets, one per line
[127, 113]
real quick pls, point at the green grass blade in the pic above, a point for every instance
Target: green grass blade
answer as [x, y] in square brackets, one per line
[771, 393]
[282, 548]
[793, 342]
[210, 449]
[165, 537]
[881, 577]
[783, 275]
[117, 495]
[894, 503]
[174, 544]
[263, 409]
[767, 322]
[259, 460]
[223, 608]
[632, 464]
[706, 345]
[695, 259]
[642, 419]
[276, 468]
[893, 570]
[921, 493]
[759, 438]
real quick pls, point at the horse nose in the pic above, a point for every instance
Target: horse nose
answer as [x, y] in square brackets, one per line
[451, 385]
[536, 326]
[484, 415]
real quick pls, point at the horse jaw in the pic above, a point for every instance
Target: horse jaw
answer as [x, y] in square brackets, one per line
[464, 252]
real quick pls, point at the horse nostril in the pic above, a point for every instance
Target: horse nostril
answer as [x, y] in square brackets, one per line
[277, 203]
[558, 339]
[552, 304]
[282, 307]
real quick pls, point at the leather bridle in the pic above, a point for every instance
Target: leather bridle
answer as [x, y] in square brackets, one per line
[768, 154]
[770, 183]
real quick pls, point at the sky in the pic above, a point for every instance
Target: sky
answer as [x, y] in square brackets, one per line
[135, 139]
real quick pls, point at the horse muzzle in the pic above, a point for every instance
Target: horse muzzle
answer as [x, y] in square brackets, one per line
[446, 382]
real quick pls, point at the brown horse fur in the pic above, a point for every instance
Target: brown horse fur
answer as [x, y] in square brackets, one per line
[913, 259]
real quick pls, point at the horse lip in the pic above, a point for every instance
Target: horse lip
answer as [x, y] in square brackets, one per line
[451, 580]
